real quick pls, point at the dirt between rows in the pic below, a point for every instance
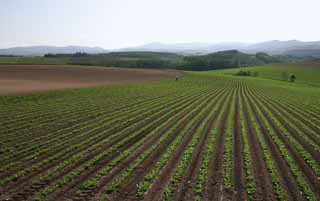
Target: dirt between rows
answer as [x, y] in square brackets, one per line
[17, 79]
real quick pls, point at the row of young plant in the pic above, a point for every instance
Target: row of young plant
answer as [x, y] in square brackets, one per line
[227, 157]
[77, 117]
[85, 98]
[67, 98]
[75, 158]
[148, 179]
[304, 130]
[75, 146]
[299, 109]
[84, 110]
[270, 163]
[42, 116]
[76, 135]
[300, 179]
[78, 171]
[298, 119]
[295, 129]
[175, 181]
[298, 147]
[133, 112]
[92, 162]
[57, 156]
[18, 174]
[49, 113]
[248, 167]
[125, 174]
[93, 100]
[300, 96]
[203, 171]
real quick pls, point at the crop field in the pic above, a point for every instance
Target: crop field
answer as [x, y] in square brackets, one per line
[206, 136]
[307, 72]
[18, 79]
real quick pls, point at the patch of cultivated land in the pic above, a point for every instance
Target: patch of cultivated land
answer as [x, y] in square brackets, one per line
[306, 72]
[205, 137]
[15, 79]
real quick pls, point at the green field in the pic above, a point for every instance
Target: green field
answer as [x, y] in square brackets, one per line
[206, 136]
[306, 72]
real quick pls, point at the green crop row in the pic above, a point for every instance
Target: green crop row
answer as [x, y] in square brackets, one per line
[207, 156]
[183, 163]
[271, 166]
[298, 147]
[106, 169]
[300, 179]
[227, 158]
[100, 114]
[143, 186]
[293, 115]
[250, 184]
[114, 185]
[131, 113]
[36, 115]
[66, 179]
[74, 146]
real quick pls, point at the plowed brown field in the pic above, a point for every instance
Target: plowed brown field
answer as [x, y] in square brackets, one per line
[15, 79]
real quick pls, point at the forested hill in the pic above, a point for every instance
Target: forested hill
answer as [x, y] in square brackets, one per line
[229, 59]
[218, 60]
[160, 60]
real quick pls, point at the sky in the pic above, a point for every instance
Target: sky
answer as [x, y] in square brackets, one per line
[125, 23]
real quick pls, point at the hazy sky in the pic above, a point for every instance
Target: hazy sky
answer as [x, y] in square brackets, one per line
[120, 23]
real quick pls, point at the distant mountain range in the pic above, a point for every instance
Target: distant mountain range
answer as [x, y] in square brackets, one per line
[291, 47]
[42, 50]
[187, 48]
[275, 47]
[284, 47]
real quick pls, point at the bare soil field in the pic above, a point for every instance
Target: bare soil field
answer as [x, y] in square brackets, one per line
[16, 79]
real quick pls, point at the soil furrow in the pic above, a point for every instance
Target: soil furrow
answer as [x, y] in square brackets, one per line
[127, 190]
[156, 190]
[315, 154]
[262, 178]
[82, 160]
[238, 173]
[63, 128]
[108, 178]
[95, 193]
[94, 169]
[74, 139]
[287, 178]
[213, 189]
[185, 190]
[77, 125]
[302, 111]
[298, 124]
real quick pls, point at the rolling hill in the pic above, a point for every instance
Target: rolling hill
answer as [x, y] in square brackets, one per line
[42, 50]
[275, 47]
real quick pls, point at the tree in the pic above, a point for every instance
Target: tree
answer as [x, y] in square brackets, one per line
[292, 78]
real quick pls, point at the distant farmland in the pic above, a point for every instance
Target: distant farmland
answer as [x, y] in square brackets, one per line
[17, 79]
[207, 136]
[307, 72]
